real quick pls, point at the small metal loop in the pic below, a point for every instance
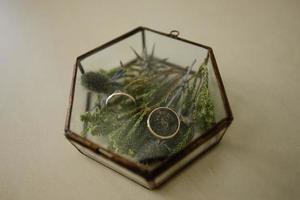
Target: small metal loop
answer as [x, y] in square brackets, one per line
[157, 135]
[119, 94]
[174, 33]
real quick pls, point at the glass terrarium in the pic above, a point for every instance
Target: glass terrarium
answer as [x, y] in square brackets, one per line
[146, 104]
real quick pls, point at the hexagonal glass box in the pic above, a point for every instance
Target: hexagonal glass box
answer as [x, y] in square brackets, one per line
[146, 104]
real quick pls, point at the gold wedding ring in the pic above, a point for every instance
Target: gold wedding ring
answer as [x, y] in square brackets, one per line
[157, 134]
[119, 94]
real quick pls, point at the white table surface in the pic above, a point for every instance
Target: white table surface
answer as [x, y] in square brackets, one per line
[257, 48]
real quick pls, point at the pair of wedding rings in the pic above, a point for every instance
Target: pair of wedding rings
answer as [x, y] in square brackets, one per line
[153, 130]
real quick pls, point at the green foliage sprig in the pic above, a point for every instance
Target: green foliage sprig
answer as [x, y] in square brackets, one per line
[153, 82]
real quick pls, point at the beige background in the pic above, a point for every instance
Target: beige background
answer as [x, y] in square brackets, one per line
[257, 48]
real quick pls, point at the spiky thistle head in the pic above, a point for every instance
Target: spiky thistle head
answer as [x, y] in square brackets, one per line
[96, 82]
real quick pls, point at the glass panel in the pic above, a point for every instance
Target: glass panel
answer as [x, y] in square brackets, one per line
[146, 104]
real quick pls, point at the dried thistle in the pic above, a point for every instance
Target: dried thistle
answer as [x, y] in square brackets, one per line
[153, 82]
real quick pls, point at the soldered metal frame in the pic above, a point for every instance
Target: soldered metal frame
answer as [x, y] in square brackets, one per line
[149, 177]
